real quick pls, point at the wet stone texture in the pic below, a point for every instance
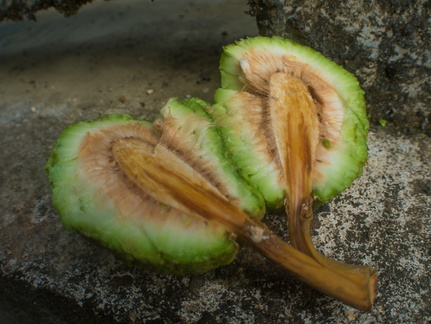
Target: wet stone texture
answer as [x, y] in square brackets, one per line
[386, 43]
[51, 275]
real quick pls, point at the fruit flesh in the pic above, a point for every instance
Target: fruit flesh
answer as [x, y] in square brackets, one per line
[93, 197]
[246, 68]
[244, 121]
[188, 129]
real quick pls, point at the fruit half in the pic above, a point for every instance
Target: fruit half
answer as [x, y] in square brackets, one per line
[94, 196]
[302, 115]
[250, 73]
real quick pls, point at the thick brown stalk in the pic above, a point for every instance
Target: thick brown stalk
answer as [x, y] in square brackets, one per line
[181, 187]
[295, 124]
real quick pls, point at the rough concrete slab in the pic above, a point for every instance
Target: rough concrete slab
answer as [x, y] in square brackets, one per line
[58, 71]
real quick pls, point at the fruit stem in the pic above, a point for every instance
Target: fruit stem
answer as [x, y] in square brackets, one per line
[357, 289]
[300, 234]
[182, 188]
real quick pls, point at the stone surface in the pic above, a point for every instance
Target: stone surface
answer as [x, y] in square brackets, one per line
[100, 62]
[385, 43]
[26, 9]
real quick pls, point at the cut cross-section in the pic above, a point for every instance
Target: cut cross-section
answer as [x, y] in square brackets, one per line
[309, 121]
[246, 70]
[189, 131]
[94, 196]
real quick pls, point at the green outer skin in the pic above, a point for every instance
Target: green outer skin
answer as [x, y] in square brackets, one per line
[261, 174]
[86, 209]
[348, 159]
[213, 148]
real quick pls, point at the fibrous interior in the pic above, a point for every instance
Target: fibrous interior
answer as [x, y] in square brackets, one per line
[260, 71]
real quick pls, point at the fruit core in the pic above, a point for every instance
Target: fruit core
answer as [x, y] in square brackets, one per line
[257, 70]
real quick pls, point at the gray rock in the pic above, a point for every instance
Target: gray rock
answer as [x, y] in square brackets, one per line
[51, 275]
[21, 9]
[383, 220]
[385, 43]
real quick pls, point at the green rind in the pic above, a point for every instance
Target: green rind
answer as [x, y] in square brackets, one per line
[84, 208]
[260, 173]
[349, 157]
[201, 128]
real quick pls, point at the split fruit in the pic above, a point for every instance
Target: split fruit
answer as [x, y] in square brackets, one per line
[256, 75]
[96, 196]
[179, 194]
[296, 119]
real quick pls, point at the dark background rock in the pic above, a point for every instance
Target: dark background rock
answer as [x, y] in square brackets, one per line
[106, 59]
[26, 9]
[385, 43]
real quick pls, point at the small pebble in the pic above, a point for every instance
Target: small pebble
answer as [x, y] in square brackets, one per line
[150, 91]
[122, 99]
